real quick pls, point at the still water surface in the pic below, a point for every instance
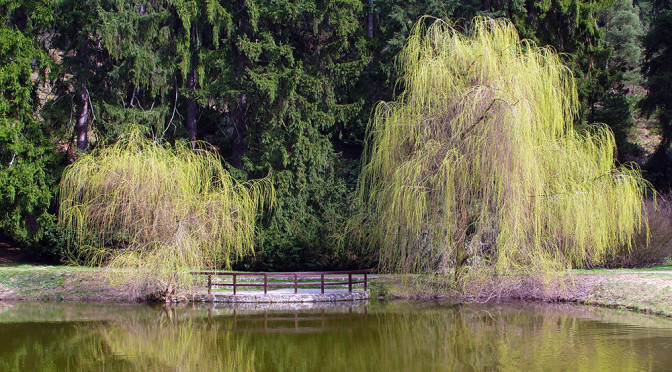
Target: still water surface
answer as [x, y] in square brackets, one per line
[379, 337]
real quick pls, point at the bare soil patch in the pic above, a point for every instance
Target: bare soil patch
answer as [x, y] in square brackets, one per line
[8, 252]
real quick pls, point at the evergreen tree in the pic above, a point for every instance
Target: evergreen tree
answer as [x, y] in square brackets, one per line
[623, 33]
[82, 69]
[298, 62]
[199, 26]
[658, 73]
[140, 80]
[29, 163]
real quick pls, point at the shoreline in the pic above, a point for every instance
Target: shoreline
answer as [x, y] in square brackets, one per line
[641, 291]
[647, 292]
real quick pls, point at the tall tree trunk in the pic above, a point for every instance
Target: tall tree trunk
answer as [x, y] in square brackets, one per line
[82, 125]
[239, 129]
[659, 160]
[240, 115]
[191, 106]
[370, 19]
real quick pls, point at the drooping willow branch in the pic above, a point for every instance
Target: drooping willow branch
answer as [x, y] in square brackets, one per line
[485, 122]
[158, 210]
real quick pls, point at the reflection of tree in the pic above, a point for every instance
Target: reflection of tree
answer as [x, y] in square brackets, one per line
[500, 339]
[399, 337]
[163, 343]
[431, 338]
[170, 344]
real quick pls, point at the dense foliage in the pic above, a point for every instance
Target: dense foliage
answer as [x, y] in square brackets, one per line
[282, 89]
[29, 161]
[477, 164]
[162, 211]
[658, 74]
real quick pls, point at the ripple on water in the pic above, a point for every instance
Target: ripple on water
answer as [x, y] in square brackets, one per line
[396, 336]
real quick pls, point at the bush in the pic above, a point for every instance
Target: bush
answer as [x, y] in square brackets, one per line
[657, 248]
[50, 248]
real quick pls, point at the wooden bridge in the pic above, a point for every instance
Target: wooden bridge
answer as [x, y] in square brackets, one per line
[296, 279]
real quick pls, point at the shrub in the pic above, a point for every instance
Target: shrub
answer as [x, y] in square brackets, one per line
[654, 249]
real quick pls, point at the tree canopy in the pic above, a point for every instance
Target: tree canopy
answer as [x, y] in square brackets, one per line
[477, 164]
[658, 76]
[278, 88]
[161, 211]
[29, 161]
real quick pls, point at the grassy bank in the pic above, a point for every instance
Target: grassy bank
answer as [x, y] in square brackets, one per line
[55, 283]
[644, 290]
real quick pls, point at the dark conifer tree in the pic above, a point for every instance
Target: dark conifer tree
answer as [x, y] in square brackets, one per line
[29, 163]
[658, 79]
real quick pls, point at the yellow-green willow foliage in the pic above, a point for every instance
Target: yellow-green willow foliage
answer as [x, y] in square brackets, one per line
[152, 213]
[477, 163]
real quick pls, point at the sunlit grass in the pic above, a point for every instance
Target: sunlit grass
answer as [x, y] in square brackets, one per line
[667, 267]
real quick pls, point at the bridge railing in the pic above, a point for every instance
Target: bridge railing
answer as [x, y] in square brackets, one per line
[287, 281]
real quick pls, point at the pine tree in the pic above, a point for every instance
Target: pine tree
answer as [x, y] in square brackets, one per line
[140, 78]
[29, 163]
[658, 74]
[624, 33]
[300, 61]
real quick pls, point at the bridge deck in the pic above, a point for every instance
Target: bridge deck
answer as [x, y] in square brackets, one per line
[285, 295]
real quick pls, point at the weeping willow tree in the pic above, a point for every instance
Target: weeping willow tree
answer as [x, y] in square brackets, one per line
[477, 165]
[152, 213]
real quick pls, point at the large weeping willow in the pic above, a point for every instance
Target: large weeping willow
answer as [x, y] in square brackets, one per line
[153, 213]
[477, 164]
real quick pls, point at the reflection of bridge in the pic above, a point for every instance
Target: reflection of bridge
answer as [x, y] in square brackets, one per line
[290, 321]
[313, 286]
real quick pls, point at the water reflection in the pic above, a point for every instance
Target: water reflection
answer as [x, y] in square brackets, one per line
[300, 318]
[393, 337]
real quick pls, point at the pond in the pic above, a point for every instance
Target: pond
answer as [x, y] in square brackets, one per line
[360, 337]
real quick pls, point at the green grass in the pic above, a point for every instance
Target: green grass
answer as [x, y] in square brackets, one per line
[645, 290]
[44, 282]
[649, 293]
[667, 267]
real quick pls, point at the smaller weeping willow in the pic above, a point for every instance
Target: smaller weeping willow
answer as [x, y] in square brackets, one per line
[477, 165]
[153, 213]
